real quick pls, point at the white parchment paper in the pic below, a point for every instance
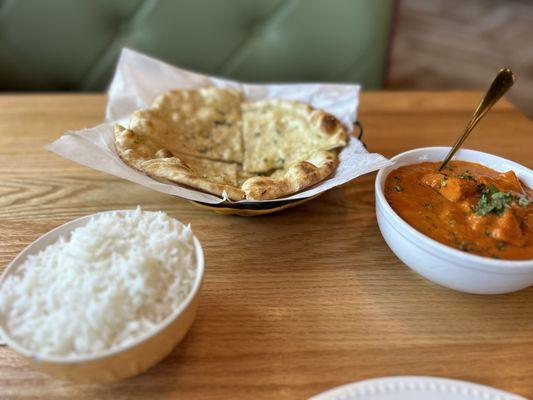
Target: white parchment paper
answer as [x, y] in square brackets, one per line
[139, 79]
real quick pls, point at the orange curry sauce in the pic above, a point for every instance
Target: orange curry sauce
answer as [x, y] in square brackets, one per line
[466, 206]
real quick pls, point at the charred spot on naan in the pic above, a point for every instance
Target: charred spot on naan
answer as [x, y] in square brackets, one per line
[329, 123]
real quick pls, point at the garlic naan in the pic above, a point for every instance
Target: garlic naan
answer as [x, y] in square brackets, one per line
[146, 155]
[299, 176]
[202, 122]
[279, 133]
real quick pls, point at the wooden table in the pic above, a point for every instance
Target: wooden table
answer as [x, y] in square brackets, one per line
[293, 303]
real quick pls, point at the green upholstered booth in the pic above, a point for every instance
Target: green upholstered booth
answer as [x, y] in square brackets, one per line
[74, 44]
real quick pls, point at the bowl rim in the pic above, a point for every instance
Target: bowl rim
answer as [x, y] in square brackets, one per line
[76, 359]
[468, 260]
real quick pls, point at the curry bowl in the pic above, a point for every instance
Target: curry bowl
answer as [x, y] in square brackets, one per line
[441, 263]
[119, 363]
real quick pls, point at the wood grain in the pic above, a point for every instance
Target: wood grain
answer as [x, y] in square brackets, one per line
[293, 303]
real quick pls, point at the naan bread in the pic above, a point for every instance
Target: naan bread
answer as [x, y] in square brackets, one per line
[209, 139]
[135, 149]
[297, 177]
[202, 122]
[279, 133]
[148, 156]
[196, 175]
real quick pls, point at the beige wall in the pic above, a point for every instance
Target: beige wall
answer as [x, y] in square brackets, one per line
[454, 44]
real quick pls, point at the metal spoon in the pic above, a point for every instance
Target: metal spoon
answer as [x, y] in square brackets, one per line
[500, 85]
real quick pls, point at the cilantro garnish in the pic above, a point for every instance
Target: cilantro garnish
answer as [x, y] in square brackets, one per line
[492, 200]
[522, 200]
[465, 175]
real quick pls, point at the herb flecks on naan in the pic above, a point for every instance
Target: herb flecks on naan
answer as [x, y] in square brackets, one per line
[279, 133]
[146, 155]
[202, 122]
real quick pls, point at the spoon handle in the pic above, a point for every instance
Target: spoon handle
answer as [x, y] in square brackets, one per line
[500, 85]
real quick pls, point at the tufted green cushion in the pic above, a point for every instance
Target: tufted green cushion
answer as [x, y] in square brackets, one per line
[74, 44]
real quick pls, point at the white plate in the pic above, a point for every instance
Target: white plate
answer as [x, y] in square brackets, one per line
[415, 388]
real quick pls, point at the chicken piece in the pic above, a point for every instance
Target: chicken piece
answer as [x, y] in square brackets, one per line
[507, 229]
[478, 223]
[507, 181]
[449, 216]
[451, 188]
[433, 180]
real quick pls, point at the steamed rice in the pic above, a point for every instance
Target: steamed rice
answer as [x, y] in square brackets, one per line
[112, 281]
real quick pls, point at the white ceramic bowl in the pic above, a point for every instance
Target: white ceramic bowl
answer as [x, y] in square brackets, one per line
[437, 262]
[120, 363]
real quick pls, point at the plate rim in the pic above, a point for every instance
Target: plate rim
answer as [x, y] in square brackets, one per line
[418, 383]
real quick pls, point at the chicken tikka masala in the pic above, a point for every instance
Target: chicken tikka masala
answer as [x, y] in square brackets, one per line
[467, 206]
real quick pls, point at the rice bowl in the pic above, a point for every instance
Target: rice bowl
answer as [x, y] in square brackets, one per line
[108, 361]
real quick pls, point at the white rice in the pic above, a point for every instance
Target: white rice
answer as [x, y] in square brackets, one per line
[110, 282]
